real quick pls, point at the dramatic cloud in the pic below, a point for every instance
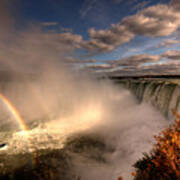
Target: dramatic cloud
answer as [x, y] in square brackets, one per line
[97, 67]
[169, 42]
[143, 64]
[159, 20]
[154, 21]
[107, 40]
[129, 64]
[165, 68]
[175, 4]
[136, 60]
[174, 55]
[27, 49]
[168, 68]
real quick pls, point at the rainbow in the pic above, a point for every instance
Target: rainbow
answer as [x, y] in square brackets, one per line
[21, 123]
[14, 112]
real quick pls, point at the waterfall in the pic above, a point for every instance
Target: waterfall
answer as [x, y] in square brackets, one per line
[163, 95]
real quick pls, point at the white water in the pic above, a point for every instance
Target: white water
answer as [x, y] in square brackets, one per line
[74, 103]
[94, 107]
[164, 96]
[129, 128]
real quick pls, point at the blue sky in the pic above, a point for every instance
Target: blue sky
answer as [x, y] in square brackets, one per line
[81, 15]
[102, 30]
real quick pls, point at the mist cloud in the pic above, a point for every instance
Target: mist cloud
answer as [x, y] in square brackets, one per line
[30, 48]
[59, 98]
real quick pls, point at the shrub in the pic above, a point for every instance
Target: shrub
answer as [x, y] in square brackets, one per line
[163, 163]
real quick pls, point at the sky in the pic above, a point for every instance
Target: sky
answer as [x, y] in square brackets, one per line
[115, 37]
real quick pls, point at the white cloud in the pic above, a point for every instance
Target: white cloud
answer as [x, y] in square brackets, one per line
[136, 60]
[172, 54]
[143, 64]
[168, 42]
[154, 21]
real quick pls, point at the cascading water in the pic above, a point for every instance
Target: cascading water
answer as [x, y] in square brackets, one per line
[108, 129]
[163, 95]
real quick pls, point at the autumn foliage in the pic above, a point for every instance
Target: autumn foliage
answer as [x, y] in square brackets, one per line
[164, 161]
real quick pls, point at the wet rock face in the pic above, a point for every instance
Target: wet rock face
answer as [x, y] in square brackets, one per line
[47, 156]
